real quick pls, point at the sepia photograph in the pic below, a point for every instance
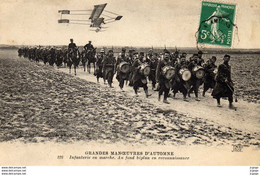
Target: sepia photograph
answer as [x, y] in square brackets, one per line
[137, 82]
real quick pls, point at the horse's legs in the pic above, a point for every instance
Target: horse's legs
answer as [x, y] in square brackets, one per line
[75, 69]
[89, 67]
[69, 69]
[84, 65]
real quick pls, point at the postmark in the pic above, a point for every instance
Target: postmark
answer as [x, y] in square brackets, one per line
[216, 24]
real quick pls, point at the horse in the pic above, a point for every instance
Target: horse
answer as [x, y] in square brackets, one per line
[91, 58]
[73, 58]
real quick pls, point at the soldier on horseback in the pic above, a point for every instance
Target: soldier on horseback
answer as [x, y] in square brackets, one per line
[89, 46]
[90, 55]
[72, 46]
[73, 56]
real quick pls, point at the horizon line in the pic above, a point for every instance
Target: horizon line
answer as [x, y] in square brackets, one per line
[161, 47]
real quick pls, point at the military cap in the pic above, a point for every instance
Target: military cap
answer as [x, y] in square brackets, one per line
[228, 56]
[135, 53]
[166, 51]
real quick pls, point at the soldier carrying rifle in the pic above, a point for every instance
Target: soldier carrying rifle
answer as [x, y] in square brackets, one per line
[224, 85]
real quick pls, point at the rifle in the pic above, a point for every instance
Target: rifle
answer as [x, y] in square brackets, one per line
[232, 90]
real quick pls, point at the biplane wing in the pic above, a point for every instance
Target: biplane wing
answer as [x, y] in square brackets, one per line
[97, 17]
[97, 11]
[97, 22]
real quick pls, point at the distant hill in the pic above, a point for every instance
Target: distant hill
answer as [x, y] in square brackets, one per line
[4, 46]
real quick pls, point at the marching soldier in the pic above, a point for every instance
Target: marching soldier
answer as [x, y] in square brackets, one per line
[45, 56]
[99, 65]
[164, 83]
[194, 81]
[139, 79]
[52, 56]
[209, 81]
[178, 83]
[175, 56]
[224, 85]
[153, 61]
[200, 59]
[59, 58]
[20, 52]
[109, 64]
[132, 55]
[122, 76]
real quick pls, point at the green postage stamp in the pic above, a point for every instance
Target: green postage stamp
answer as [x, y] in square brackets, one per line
[216, 23]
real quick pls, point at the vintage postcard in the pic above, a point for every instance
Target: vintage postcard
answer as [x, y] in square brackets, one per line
[129, 82]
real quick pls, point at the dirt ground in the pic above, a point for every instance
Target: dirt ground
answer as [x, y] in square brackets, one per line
[40, 103]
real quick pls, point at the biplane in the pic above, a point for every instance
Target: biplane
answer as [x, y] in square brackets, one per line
[97, 17]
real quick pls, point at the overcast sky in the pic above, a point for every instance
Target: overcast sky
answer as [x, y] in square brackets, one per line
[144, 23]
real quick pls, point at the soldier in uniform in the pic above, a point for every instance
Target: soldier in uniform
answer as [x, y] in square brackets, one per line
[20, 51]
[122, 77]
[175, 56]
[108, 68]
[178, 83]
[72, 46]
[132, 55]
[209, 81]
[153, 61]
[200, 61]
[59, 58]
[45, 56]
[194, 81]
[164, 84]
[224, 85]
[52, 56]
[89, 46]
[138, 79]
[99, 65]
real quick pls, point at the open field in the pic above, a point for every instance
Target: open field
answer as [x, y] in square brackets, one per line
[40, 103]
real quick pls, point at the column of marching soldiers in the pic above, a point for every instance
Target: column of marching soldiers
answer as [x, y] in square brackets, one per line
[166, 71]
